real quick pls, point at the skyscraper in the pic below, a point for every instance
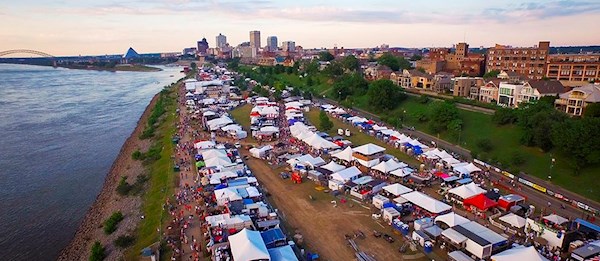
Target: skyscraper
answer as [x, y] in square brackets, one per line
[221, 41]
[255, 39]
[202, 46]
[288, 46]
[272, 43]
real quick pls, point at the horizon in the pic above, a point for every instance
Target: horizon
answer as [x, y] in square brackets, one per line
[110, 27]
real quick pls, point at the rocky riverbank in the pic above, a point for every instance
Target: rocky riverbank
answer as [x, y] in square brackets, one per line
[109, 201]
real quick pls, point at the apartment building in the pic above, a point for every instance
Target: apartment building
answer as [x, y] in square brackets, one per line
[574, 69]
[462, 85]
[460, 62]
[488, 92]
[528, 61]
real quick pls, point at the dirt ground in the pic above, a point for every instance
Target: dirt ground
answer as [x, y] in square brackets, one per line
[322, 225]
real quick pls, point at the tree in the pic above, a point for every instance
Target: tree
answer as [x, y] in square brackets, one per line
[389, 60]
[309, 81]
[325, 123]
[491, 74]
[384, 95]
[442, 115]
[416, 57]
[578, 138]
[97, 252]
[334, 69]
[350, 63]
[325, 56]
[350, 84]
[485, 145]
[592, 110]
[536, 119]
[504, 116]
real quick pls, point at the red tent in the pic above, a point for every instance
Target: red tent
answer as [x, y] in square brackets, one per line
[393, 138]
[254, 114]
[480, 201]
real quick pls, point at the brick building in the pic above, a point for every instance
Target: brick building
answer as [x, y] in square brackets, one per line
[528, 61]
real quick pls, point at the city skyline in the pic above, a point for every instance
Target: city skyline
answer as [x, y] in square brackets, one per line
[87, 27]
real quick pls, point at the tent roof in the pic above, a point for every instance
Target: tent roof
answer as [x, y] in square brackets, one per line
[519, 253]
[472, 168]
[307, 159]
[333, 167]
[459, 256]
[479, 234]
[227, 193]
[346, 174]
[452, 219]
[513, 220]
[283, 253]
[217, 161]
[390, 165]
[426, 202]
[248, 245]
[368, 149]
[204, 144]
[345, 154]
[397, 189]
[556, 219]
[467, 191]
[480, 201]
[454, 236]
[402, 172]
[213, 153]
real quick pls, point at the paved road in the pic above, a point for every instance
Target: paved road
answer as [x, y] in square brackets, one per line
[466, 107]
[536, 198]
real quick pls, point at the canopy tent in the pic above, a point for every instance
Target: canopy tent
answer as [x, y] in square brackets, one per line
[403, 172]
[434, 231]
[368, 163]
[397, 189]
[450, 160]
[368, 149]
[426, 202]
[519, 253]
[269, 129]
[283, 253]
[390, 165]
[452, 219]
[213, 153]
[333, 167]
[218, 122]
[202, 145]
[306, 159]
[260, 152]
[454, 236]
[459, 256]
[225, 195]
[480, 201]
[556, 219]
[253, 192]
[513, 220]
[472, 168]
[432, 154]
[345, 155]
[467, 191]
[442, 154]
[319, 142]
[217, 161]
[346, 174]
[248, 245]
[232, 127]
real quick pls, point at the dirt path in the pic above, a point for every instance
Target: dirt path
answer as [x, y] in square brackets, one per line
[322, 225]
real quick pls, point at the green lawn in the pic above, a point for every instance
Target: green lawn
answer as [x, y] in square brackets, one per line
[241, 115]
[358, 138]
[161, 184]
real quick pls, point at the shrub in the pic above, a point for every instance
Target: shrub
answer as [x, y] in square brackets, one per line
[485, 144]
[110, 225]
[137, 155]
[123, 188]
[97, 252]
[423, 99]
[517, 158]
[124, 241]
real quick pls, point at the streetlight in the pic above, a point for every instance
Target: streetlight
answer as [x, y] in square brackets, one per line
[551, 167]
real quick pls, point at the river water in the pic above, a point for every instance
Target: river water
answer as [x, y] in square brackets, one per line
[60, 131]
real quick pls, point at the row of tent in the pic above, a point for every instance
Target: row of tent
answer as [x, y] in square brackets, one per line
[302, 132]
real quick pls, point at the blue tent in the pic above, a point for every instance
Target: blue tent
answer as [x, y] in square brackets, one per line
[417, 150]
[272, 237]
[248, 201]
[220, 186]
[588, 225]
[464, 181]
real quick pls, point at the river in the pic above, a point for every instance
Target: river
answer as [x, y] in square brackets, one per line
[60, 131]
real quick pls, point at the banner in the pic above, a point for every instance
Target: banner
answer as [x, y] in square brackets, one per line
[505, 173]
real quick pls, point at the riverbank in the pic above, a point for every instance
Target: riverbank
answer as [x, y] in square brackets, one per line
[109, 201]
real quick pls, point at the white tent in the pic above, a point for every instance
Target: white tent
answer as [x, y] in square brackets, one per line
[306, 159]
[452, 219]
[379, 128]
[252, 192]
[390, 165]
[368, 163]
[271, 129]
[368, 149]
[232, 127]
[426, 202]
[467, 191]
[217, 161]
[346, 174]
[450, 160]
[213, 153]
[260, 152]
[556, 219]
[345, 155]
[304, 135]
[333, 167]
[294, 104]
[218, 122]
[443, 154]
[519, 253]
[472, 168]
[403, 172]
[514, 220]
[432, 154]
[226, 195]
[397, 189]
[283, 253]
[248, 245]
[202, 145]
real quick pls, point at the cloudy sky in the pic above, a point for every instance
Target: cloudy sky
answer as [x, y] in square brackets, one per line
[72, 27]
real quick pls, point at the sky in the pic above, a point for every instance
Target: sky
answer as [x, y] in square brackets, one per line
[95, 27]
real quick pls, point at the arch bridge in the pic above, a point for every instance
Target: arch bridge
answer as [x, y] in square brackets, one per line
[27, 51]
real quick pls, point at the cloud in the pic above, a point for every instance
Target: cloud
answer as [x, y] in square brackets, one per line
[538, 11]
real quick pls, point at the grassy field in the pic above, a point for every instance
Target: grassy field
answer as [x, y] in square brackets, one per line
[241, 115]
[161, 184]
[359, 138]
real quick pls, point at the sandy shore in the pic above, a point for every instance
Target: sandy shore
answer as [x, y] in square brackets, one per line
[108, 201]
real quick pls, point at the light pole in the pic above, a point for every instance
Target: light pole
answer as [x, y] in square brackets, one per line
[551, 167]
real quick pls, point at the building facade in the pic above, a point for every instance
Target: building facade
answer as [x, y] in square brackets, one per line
[221, 41]
[255, 41]
[527, 61]
[462, 85]
[488, 92]
[574, 102]
[288, 46]
[574, 69]
[202, 47]
[508, 92]
[272, 43]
